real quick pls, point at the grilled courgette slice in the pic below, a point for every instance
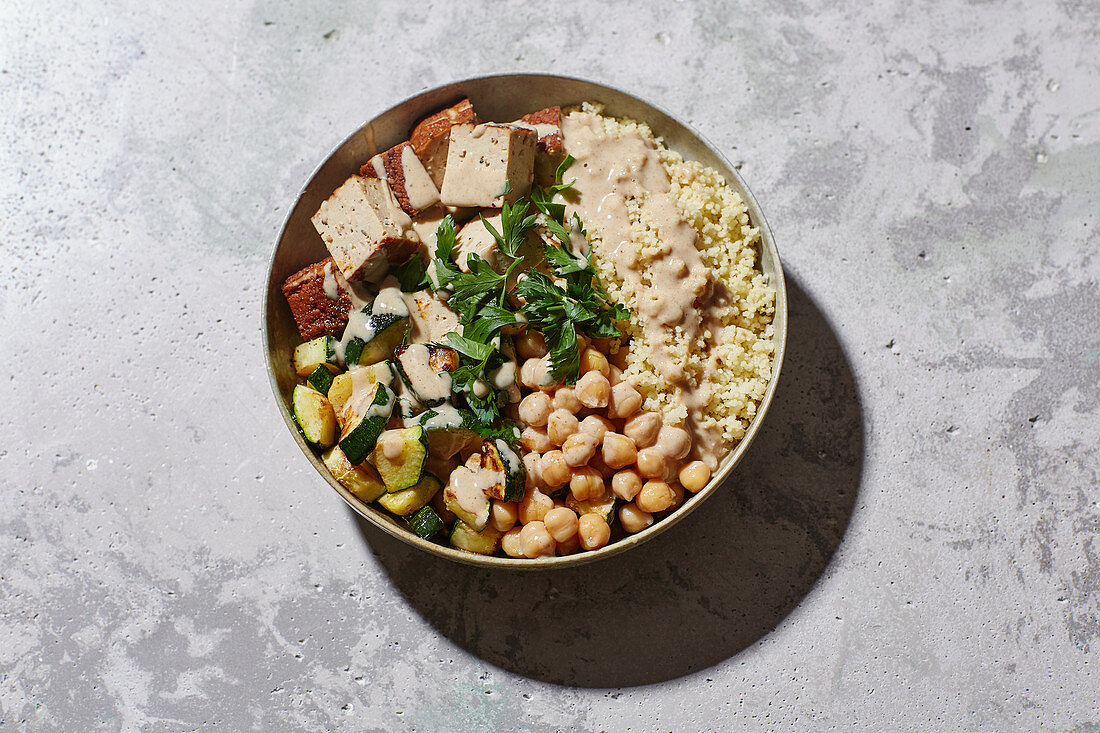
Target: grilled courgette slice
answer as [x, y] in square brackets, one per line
[311, 354]
[359, 379]
[322, 377]
[465, 493]
[426, 370]
[498, 457]
[412, 499]
[383, 334]
[485, 542]
[449, 430]
[605, 506]
[314, 416]
[426, 523]
[362, 480]
[368, 420]
[399, 457]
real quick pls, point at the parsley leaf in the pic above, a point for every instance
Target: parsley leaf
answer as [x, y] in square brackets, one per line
[412, 275]
[515, 224]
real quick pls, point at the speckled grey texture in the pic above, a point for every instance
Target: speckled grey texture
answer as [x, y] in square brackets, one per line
[912, 544]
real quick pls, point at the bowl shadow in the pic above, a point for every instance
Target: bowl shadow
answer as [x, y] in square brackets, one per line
[701, 592]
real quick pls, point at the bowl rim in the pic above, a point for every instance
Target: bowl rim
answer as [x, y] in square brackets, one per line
[726, 467]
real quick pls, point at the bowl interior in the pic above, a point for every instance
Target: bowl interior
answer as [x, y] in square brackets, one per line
[498, 98]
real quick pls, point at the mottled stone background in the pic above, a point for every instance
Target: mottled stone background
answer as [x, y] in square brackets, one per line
[912, 544]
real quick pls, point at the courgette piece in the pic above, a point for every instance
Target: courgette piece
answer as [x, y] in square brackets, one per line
[321, 378]
[425, 369]
[403, 503]
[384, 333]
[605, 506]
[497, 456]
[360, 378]
[426, 523]
[311, 354]
[314, 416]
[485, 542]
[399, 457]
[363, 429]
[363, 480]
[465, 495]
[449, 430]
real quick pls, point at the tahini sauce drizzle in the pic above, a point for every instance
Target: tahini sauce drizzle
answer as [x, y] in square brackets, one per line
[674, 290]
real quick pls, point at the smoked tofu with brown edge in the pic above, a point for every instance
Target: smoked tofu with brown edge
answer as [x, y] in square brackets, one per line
[408, 178]
[481, 159]
[431, 137]
[547, 125]
[319, 302]
[365, 229]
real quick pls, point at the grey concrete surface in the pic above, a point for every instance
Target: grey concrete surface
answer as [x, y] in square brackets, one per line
[913, 543]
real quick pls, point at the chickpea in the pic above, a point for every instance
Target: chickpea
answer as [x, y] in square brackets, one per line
[535, 374]
[554, 470]
[603, 345]
[593, 531]
[626, 484]
[536, 541]
[615, 375]
[597, 462]
[634, 519]
[561, 523]
[534, 506]
[625, 400]
[618, 358]
[534, 409]
[643, 428]
[565, 398]
[582, 342]
[655, 496]
[652, 464]
[578, 448]
[694, 476]
[673, 442]
[593, 390]
[531, 467]
[569, 546]
[618, 450]
[677, 495]
[511, 543]
[503, 515]
[531, 345]
[593, 361]
[561, 425]
[596, 425]
[586, 484]
[535, 440]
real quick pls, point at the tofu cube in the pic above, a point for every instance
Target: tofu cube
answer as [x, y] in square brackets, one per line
[318, 300]
[431, 137]
[365, 229]
[481, 159]
[547, 125]
[408, 178]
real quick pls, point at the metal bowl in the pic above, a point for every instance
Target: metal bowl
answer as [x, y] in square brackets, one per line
[503, 97]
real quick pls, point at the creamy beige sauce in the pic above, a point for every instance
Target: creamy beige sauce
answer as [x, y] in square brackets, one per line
[542, 129]
[332, 290]
[425, 381]
[675, 290]
[469, 487]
